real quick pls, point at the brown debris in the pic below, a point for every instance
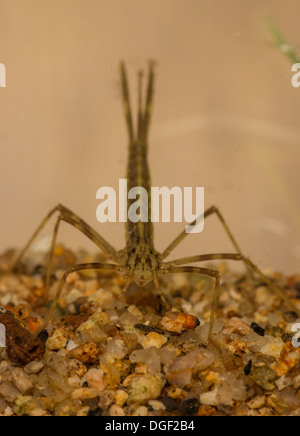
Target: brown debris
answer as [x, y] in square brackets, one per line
[21, 345]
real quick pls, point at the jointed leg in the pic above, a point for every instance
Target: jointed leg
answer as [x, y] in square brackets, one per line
[51, 255]
[79, 267]
[73, 219]
[159, 292]
[206, 272]
[183, 234]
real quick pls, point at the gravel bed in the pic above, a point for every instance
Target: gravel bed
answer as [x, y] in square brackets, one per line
[110, 354]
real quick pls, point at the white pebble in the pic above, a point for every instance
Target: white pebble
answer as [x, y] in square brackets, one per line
[141, 411]
[153, 339]
[210, 398]
[156, 405]
[58, 340]
[95, 379]
[21, 380]
[257, 402]
[273, 348]
[115, 410]
[34, 367]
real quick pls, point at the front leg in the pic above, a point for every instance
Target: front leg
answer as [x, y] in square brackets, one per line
[71, 218]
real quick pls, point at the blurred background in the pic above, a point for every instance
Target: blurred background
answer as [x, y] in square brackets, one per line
[225, 117]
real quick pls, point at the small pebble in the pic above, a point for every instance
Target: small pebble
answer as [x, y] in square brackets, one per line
[257, 402]
[140, 411]
[154, 340]
[178, 322]
[257, 329]
[248, 367]
[156, 405]
[236, 325]
[96, 412]
[44, 335]
[210, 398]
[273, 348]
[34, 367]
[86, 353]
[115, 410]
[189, 406]
[9, 392]
[121, 397]
[169, 403]
[144, 388]
[95, 379]
[148, 328]
[22, 380]
[283, 382]
[58, 340]
[39, 412]
[84, 394]
[180, 371]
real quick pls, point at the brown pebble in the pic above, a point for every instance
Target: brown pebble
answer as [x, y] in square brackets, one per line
[86, 353]
[179, 322]
[74, 321]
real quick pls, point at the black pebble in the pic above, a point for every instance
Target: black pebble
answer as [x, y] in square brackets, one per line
[169, 403]
[149, 328]
[258, 329]
[290, 316]
[96, 412]
[248, 367]
[43, 335]
[190, 406]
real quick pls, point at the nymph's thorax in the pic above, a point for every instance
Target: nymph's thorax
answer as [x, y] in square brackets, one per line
[140, 262]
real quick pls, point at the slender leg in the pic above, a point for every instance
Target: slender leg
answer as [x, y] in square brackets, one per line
[206, 272]
[71, 269]
[183, 234]
[127, 284]
[51, 255]
[71, 218]
[159, 293]
[235, 257]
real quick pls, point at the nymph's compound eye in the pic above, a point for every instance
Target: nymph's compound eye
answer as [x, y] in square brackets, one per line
[2, 310]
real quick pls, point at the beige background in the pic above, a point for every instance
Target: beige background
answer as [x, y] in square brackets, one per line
[225, 116]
